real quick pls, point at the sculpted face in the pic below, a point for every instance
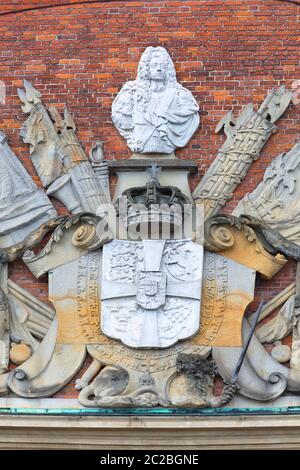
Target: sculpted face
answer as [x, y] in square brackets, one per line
[157, 68]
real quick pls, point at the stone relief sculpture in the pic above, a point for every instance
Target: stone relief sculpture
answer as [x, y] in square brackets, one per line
[153, 295]
[277, 191]
[246, 137]
[23, 206]
[154, 113]
[58, 157]
[161, 315]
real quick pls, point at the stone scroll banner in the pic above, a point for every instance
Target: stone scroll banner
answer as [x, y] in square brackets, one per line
[227, 290]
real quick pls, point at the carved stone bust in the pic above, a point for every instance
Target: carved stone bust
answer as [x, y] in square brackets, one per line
[154, 113]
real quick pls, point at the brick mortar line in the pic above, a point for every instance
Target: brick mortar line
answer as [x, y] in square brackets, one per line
[83, 2]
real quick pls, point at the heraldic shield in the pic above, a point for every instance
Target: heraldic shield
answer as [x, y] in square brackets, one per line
[151, 291]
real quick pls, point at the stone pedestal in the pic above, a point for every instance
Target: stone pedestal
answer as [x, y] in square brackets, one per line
[133, 172]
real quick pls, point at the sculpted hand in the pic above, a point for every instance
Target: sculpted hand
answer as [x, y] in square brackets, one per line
[136, 145]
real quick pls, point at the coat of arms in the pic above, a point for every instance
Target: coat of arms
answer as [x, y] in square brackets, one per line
[154, 306]
[152, 282]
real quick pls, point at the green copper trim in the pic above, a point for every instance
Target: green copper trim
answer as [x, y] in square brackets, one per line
[151, 412]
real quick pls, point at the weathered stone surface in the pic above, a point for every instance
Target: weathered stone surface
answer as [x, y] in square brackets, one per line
[160, 432]
[245, 139]
[24, 320]
[295, 349]
[151, 291]
[276, 198]
[58, 156]
[154, 113]
[156, 212]
[276, 302]
[165, 164]
[148, 371]
[38, 315]
[131, 179]
[280, 325]
[227, 289]
[260, 377]
[281, 353]
[23, 206]
[194, 383]
[100, 167]
[74, 237]
[133, 173]
[4, 332]
[146, 311]
[19, 353]
[48, 369]
[234, 239]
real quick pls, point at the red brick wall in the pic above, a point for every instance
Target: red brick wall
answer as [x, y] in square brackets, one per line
[226, 52]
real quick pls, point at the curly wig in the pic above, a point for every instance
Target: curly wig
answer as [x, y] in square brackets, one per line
[144, 66]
